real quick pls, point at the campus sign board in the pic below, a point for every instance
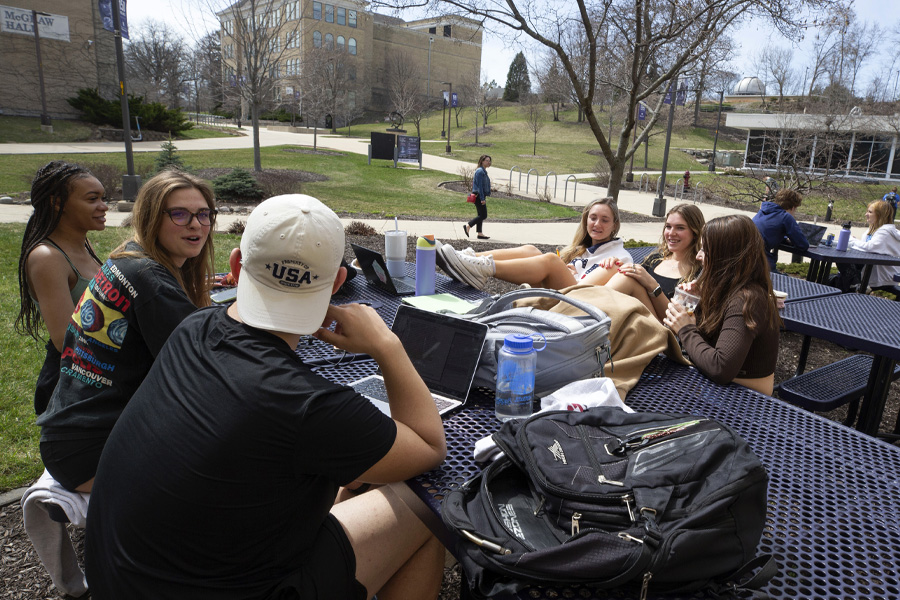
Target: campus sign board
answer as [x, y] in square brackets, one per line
[107, 16]
[408, 148]
[20, 20]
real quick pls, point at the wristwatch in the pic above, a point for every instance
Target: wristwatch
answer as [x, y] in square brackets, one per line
[655, 293]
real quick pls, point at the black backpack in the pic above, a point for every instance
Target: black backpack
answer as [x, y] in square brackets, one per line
[607, 498]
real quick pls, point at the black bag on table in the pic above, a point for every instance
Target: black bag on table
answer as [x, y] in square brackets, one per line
[608, 498]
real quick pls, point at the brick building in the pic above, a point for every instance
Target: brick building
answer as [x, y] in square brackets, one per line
[76, 52]
[441, 49]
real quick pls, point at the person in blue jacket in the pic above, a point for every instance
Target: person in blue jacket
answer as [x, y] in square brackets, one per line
[893, 198]
[481, 185]
[775, 221]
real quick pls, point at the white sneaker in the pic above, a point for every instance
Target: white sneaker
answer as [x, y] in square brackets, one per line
[442, 262]
[472, 270]
[468, 251]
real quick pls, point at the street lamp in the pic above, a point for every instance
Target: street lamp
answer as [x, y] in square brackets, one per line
[46, 125]
[449, 100]
[444, 102]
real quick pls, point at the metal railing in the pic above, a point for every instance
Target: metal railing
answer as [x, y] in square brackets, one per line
[537, 182]
[515, 168]
[555, 183]
[698, 191]
[206, 119]
[574, 188]
[641, 183]
[679, 185]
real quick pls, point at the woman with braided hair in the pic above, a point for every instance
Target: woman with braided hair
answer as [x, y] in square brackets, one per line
[57, 260]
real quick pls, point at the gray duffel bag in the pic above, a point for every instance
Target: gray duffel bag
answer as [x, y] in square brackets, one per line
[576, 347]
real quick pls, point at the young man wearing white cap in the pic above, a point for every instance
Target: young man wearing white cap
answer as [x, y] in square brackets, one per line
[220, 475]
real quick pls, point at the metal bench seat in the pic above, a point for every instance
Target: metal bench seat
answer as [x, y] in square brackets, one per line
[831, 386]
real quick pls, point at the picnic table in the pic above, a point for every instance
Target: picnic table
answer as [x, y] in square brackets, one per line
[801, 289]
[833, 496]
[822, 257]
[860, 322]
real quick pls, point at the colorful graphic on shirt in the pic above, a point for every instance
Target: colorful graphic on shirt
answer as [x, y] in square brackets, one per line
[97, 321]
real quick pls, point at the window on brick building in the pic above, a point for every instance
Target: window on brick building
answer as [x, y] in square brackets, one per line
[351, 18]
[317, 39]
[341, 16]
[340, 43]
[446, 31]
[329, 13]
[351, 46]
[317, 11]
[432, 30]
[329, 41]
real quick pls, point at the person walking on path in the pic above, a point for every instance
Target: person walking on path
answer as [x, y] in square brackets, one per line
[481, 185]
[892, 198]
[57, 260]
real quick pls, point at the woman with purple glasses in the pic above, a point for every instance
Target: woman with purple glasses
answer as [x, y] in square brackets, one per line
[138, 297]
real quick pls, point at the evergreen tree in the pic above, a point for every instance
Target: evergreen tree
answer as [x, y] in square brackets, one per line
[517, 81]
[168, 157]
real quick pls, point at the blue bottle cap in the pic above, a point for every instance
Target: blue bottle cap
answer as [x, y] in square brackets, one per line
[518, 343]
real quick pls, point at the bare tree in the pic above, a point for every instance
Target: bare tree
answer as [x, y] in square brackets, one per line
[654, 41]
[533, 111]
[708, 76]
[554, 84]
[157, 60]
[777, 71]
[258, 35]
[405, 89]
[485, 103]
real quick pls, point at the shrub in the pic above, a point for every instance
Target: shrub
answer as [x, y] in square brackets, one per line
[237, 228]
[153, 116]
[108, 175]
[238, 185]
[467, 173]
[276, 115]
[359, 228]
[275, 182]
[168, 157]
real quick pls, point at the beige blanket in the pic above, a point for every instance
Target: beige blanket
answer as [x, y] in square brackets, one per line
[635, 335]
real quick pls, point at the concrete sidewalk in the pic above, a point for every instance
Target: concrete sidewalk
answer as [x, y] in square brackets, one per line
[515, 233]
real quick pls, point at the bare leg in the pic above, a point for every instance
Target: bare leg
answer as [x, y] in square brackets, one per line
[396, 554]
[511, 253]
[627, 285]
[546, 270]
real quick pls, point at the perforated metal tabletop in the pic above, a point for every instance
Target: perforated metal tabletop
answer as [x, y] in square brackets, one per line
[801, 289]
[822, 257]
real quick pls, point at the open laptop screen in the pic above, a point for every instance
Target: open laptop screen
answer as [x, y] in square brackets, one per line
[443, 349]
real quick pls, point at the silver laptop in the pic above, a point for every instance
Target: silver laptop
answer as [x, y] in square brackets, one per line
[376, 273]
[444, 350]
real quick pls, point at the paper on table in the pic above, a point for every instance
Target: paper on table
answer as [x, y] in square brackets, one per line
[441, 303]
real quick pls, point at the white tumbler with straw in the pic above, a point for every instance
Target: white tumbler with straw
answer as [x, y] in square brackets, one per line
[395, 250]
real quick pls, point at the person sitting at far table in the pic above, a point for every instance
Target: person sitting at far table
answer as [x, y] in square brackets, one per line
[892, 198]
[219, 479]
[775, 221]
[733, 337]
[883, 237]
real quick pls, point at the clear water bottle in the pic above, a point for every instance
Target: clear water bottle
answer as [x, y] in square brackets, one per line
[515, 377]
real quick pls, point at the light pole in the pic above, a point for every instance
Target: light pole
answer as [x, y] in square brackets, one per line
[428, 85]
[444, 102]
[46, 125]
[659, 203]
[712, 163]
[450, 105]
[130, 182]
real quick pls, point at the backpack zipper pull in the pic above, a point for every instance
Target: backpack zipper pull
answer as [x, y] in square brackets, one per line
[540, 506]
[627, 499]
[603, 479]
[575, 525]
[645, 585]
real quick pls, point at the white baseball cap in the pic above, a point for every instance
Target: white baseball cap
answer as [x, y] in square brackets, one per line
[291, 249]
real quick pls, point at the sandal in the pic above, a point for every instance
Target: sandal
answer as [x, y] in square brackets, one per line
[466, 229]
[484, 237]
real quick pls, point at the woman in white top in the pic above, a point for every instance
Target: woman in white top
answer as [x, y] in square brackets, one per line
[593, 256]
[883, 237]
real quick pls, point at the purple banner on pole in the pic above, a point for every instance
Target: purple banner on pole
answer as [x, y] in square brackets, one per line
[642, 112]
[107, 16]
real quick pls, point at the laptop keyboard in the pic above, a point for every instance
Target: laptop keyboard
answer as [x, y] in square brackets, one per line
[403, 287]
[374, 389]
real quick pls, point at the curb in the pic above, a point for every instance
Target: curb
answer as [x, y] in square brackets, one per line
[7, 498]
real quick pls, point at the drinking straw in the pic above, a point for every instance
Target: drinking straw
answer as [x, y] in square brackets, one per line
[396, 225]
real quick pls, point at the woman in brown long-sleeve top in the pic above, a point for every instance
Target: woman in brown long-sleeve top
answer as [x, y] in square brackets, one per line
[734, 334]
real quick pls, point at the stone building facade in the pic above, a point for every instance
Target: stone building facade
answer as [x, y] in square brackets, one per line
[441, 49]
[86, 60]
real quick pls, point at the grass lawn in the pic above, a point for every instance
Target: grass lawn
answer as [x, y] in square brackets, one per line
[353, 185]
[28, 130]
[20, 459]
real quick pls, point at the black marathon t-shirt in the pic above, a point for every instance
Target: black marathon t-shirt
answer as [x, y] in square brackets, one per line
[124, 318]
[223, 467]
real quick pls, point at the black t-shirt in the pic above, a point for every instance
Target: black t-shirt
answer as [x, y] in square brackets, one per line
[223, 467]
[119, 326]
